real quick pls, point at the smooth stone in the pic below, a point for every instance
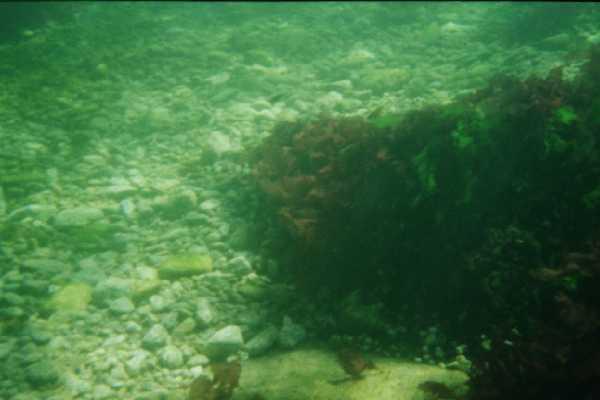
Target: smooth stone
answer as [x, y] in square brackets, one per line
[132, 327]
[170, 357]
[156, 337]
[122, 305]
[80, 216]
[225, 342]
[158, 303]
[198, 360]
[40, 337]
[145, 288]
[204, 312]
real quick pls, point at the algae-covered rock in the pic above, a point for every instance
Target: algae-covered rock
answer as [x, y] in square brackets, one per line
[312, 374]
[143, 289]
[72, 297]
[185, 265]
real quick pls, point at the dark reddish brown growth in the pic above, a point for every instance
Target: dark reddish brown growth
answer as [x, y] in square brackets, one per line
[226, 376]
[559, 357]
[353, 362]
[437, 389]
[308, 169]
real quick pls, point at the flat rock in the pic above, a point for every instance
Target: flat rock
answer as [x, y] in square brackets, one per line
[79, 216]
[308, 373]
[185, 265]
[72, 297]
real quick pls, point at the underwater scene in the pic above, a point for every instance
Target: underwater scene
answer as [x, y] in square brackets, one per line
[299, 201]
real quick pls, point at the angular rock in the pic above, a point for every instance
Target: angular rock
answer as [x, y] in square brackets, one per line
[139, 361]
[185, 327]
[156, 337]
[225, 342]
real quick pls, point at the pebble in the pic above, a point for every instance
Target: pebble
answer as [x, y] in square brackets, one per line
[102, 392]
[185, 327]
[169, 321]
[132, 327]
[122, 305]
[171, 357]
[139, 361]
[204, 312]
[75, 385]
[198, 360]
[157, 303]
[156, 337]
[209, 205]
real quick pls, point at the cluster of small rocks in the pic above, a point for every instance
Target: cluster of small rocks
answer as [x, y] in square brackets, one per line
[129, 285]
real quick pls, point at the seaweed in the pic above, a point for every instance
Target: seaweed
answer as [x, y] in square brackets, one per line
[225, 378]
[459, 209]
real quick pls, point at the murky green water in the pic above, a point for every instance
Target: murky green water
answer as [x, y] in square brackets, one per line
[146, 236]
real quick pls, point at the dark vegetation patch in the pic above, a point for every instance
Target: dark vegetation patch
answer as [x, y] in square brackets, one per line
[481, 216]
